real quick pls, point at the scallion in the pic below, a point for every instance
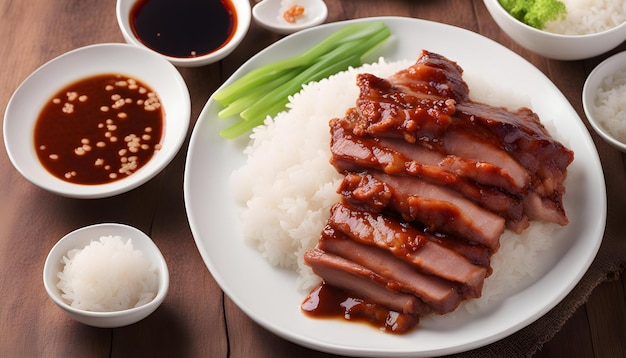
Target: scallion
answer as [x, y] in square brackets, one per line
[265, 90]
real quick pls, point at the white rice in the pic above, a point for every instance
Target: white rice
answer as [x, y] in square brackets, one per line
[287, 186]
[589, 17]
[610, 105]
[107, 275]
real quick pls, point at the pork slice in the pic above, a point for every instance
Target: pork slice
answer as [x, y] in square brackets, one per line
[438, 208]
[432, 74]
[476, 254]
[409, 244]
[352, 153]
[477, 170]
[522, 135]
[547, 209]
[441, 295]
[365, 283]
[382, 109]
[467, 145]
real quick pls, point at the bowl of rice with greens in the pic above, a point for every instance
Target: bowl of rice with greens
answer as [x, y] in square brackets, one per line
[106, 275]
[562, 29]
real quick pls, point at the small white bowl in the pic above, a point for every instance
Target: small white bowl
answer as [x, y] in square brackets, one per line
[556, 46]
[80, 238]
[29, 98]
[268, 14]
[595, 80]
[243, 19]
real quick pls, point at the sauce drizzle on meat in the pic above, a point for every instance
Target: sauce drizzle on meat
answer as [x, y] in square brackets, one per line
[431, 181]
[327, 301]
[99, 129]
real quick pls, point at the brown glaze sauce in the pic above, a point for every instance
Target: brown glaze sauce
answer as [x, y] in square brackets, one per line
[327, 301]
[99, 129]
[184, 28]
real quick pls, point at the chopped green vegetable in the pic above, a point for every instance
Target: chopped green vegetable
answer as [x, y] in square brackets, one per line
[535, 13]
[265, 90]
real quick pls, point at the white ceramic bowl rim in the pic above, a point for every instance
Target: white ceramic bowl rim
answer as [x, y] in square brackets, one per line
[243, 15]
[557, 35]
[28, 99]
[140, 242]
[595, 79]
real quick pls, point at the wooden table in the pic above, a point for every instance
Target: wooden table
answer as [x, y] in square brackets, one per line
[197, 319]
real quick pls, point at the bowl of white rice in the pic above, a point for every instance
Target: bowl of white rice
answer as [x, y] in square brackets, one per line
[588, 29]
[106, 275]
[604, 100]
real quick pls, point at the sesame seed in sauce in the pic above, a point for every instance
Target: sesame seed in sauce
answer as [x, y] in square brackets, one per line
[71, 96]
[109, 159]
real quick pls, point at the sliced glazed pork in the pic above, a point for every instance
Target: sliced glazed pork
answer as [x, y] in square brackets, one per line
[431, 181]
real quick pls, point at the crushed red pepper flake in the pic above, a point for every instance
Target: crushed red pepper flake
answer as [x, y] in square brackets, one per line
[292, 13]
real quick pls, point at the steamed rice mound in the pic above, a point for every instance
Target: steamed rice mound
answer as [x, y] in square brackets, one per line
[287, 185]
[589, 17]
[107, 275]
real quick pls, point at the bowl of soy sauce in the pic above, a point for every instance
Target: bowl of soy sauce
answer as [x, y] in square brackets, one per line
[188, 33]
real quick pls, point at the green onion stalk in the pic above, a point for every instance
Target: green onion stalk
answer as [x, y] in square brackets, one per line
[265, 90]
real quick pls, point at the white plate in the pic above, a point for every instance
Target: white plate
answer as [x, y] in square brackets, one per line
[269, 295]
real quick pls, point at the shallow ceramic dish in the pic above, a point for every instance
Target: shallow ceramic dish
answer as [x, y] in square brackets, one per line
[29, 98]
[80, 238]
[268, 14]
[243, 18]
[213, 218]
[595, 80]
[556, 46]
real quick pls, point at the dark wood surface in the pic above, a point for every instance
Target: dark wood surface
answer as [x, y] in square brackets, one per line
[197, 319]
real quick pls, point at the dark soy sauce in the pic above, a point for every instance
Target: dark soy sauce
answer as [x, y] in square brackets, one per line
[184, 28]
